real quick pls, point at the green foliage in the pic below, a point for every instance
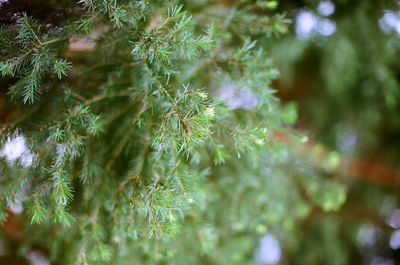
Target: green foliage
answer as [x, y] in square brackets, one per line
[137, 156]
[30, 58]
[169, 38]
[186, 123]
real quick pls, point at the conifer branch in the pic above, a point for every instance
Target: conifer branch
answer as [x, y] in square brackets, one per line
[121, 149]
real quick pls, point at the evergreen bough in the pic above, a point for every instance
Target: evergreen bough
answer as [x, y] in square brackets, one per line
[143, 148]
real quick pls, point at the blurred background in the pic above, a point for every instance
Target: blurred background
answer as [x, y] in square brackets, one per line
[340, 65]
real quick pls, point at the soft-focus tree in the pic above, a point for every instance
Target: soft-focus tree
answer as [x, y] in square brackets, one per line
[340, 64]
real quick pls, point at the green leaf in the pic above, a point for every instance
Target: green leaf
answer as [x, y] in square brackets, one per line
[61, 67]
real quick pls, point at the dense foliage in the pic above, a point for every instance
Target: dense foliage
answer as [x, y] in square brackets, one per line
[153, 134]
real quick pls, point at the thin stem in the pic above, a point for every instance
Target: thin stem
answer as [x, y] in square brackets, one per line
[123, 93]
[21, 57]
[179, 176]
[33, 32]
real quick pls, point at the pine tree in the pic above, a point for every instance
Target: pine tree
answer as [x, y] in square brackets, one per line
[142, 146]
